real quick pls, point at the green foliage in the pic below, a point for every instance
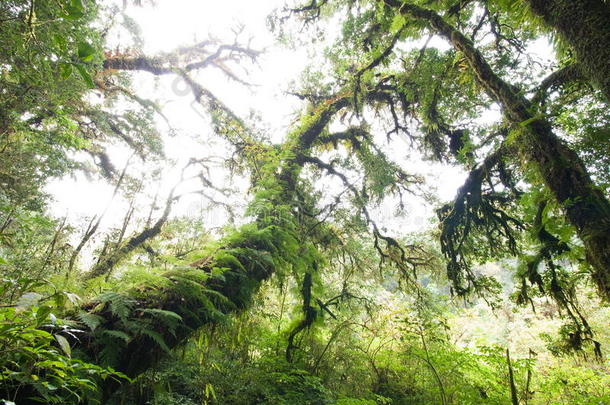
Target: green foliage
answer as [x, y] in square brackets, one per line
[227, 383]
[585, 120]
[116, 320]
[576, 385]
[41, 43]
[238, 363]
[36, 354]
[307, 301]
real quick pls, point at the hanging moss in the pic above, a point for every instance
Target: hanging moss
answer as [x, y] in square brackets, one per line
[478, 221]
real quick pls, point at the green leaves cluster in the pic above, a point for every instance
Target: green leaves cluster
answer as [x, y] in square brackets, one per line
[36, 355]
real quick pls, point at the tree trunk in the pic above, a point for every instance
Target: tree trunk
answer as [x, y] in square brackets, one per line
[250, 256]
[514, 399]
[585, 26]
[561, 169]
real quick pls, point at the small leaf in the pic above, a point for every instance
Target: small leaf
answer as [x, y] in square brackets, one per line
[63, 343]
[28, 300]
[49, 386]
[85, 75]
[85, 51]
[397, 23]
[65, 70]
[42, 313]
[73, 298]
[60, 41]
[209, 391]
[74, 9]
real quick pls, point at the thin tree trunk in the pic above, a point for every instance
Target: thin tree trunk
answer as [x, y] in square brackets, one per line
[89, 232]
[107, 264]
[52, 246]
[585, 25]
[93, 227]
[511, 380]
[280, 318]
[561, 169]
[7, 221]
[130, 211]
[529, 378]
[309, 316]
[437, 376]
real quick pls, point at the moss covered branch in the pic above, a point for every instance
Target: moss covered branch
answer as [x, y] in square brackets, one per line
[133, 330]
[561, 169]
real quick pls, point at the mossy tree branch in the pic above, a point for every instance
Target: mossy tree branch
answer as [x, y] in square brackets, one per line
[568, 74]
[222, 284]
[561, 169]
[475, 212]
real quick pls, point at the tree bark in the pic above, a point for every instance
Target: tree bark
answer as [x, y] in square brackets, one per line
[585, 26]
[561, 169]
[309, 316]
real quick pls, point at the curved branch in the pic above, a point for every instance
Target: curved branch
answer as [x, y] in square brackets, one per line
[169, 63]
[584, 25]
[565, 75]
[106, 265]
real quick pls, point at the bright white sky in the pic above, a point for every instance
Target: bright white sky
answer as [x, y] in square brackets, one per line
[171, 24]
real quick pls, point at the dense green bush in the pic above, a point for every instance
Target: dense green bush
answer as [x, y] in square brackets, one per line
[35, 357]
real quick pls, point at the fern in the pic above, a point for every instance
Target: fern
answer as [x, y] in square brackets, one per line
[218, 298]
[227, 259]
[167, 318]
[157, 338]
[117, 334]
[120, 305]
[161, 313]
[109, 354]
[90, 320]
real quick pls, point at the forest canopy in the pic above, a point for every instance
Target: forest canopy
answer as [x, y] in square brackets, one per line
[304, 202]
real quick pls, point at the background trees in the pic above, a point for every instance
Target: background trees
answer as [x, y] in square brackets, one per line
[307, 290]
